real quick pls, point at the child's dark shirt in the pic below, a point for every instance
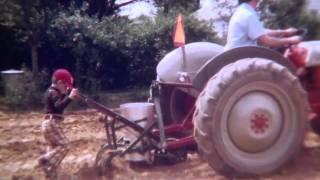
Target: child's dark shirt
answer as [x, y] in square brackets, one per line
[55, 101]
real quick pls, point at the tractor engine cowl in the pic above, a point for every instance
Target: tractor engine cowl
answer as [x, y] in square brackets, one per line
[297, 55]
[306, 54]
[197, 54]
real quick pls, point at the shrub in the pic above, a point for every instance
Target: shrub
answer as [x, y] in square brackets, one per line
[28, 92]
[118, 53]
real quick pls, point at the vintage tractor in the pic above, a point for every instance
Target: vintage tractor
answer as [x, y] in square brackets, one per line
[251, 106]
[246, 109]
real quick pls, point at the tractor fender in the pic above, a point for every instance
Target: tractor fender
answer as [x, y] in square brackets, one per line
[218, 62]
[197, 54]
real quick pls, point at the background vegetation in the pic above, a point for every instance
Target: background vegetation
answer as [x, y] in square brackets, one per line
[287, 13]
[103, 50]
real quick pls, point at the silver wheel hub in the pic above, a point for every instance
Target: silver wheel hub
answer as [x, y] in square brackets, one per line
[255, 122]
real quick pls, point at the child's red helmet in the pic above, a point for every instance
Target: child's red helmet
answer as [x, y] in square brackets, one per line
[64, 76]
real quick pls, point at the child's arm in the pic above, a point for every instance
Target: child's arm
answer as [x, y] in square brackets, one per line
[59, 103]
[56, 103]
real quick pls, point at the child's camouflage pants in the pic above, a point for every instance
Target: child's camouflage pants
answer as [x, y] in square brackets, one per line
[57, 144]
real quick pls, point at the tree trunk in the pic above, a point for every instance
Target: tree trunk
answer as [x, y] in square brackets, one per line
[198, 4]
[35, 59]
[166, 8]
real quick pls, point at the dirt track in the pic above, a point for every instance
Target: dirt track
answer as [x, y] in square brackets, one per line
[21, 143]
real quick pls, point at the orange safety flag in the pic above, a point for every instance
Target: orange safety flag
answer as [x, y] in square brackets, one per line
[178, 34]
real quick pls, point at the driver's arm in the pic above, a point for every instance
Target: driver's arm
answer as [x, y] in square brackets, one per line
[275, 42]
[281, 32]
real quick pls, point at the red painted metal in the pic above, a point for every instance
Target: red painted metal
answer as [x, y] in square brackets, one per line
[177, 128]
[183, 142]
[316, 77]
[314, 100]
[259, 123]
[310, 78]
[184, 125]
[297, 55]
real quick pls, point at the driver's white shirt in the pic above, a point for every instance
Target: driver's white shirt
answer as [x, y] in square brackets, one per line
[245, 27]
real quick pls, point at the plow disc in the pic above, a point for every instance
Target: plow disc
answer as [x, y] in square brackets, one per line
[104, 157]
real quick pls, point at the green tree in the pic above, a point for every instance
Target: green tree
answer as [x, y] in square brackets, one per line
[30, 19]
[110, 52]
[115, 52]
[283, 14]
[288, 13]
[169, 6]
[106, 7]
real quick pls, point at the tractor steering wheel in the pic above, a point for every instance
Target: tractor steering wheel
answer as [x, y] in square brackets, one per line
[288, 49]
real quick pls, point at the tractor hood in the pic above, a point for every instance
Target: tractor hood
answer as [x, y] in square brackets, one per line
[312, 56]
[171, 66]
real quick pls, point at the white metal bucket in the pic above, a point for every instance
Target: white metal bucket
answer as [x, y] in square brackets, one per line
[137, 111]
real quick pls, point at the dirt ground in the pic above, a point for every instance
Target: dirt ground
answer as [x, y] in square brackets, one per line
[21, 143]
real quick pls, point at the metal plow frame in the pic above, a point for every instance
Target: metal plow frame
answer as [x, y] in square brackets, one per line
[154, 136]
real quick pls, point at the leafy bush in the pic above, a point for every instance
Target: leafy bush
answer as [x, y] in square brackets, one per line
[104, 53]
[117, 53]
[28, 90]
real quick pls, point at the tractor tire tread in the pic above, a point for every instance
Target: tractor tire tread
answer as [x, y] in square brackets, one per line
[214, 89]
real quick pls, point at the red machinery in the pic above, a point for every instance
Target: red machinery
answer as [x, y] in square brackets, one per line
[162, 142]
[245, 108]
[306, 58]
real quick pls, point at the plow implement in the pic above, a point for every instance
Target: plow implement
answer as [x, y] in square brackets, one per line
[147, 140]
[245, 109]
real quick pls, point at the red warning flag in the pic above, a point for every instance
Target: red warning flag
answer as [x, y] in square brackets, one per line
[178, 34]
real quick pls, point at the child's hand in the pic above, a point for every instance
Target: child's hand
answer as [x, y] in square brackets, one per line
[73, 94]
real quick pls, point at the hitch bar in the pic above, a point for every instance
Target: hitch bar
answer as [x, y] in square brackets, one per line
[103, 109]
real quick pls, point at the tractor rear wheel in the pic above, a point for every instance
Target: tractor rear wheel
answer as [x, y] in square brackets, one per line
[250, 118]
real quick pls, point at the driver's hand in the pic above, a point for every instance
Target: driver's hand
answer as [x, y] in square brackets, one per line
[294, 40]
[290, 31]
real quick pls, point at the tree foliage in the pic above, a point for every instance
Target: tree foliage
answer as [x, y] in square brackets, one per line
[106, 51]
[283, 14]
[169, 6]
[29, 19]
[115, 52]
[288, 13]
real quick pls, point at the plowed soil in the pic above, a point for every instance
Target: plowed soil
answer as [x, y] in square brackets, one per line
[21, 143]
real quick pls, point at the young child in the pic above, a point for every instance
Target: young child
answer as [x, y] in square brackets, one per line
[57, 98]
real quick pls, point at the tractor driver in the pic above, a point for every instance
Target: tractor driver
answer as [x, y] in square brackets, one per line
[246, 29]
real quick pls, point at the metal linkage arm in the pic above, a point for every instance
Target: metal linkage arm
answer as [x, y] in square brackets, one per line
[148, 129]
[101, 108]
[155, 96]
